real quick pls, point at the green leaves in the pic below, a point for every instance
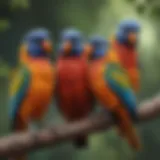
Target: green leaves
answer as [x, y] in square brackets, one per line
[8, 10]
[22, 4]
[151, 8]
[4, 69]
[4, 24]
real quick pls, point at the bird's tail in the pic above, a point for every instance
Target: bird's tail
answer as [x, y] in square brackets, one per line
[18, 125]
[127, 130]
[81, 142]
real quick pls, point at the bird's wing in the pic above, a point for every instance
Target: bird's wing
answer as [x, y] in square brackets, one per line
[18, 89]
[119, 83]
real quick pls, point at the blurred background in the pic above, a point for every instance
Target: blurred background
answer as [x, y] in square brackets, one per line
[90, 16]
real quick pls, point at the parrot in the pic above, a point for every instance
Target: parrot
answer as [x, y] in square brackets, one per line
[112, 87]
[124, 44]
[73, 95]
[33, 85]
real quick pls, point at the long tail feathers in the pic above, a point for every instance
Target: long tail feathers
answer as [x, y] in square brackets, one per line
[133, 139]
[81, 142]
[127, 130]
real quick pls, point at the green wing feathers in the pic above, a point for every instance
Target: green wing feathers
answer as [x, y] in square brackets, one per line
[18, 89]
[118, 74]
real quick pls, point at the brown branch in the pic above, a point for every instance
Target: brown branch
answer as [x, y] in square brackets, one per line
[24, 142]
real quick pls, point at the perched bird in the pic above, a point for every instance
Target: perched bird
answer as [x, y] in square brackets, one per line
[111, 86]
[124, 44]
[33, 85]
[73, 94]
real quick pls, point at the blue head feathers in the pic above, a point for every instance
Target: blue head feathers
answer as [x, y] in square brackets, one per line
[75, 38]
[99, 46]
[35, 40]
[126, 27]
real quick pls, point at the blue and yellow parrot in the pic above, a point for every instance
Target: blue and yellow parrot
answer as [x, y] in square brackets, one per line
[74, 97]
[112, 88]
[33, 86]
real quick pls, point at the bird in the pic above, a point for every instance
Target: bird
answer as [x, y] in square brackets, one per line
[124, 44]
[73, 95]
[33, 85]
[112, 88]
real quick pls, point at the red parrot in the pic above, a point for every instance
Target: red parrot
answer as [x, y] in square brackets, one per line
[124, 45]
[73, 94]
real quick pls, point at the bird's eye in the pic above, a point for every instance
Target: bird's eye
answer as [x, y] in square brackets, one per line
[127, 30]
[74, 39]
[38, 40]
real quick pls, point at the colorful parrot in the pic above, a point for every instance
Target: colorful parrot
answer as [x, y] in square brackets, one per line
[124, 45]
[74, 97]
[33, 85]
[111, 86]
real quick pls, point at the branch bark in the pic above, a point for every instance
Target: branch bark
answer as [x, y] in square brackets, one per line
[20, 143]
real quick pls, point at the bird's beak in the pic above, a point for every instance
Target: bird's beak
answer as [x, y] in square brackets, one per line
[88, 49]
[67, 47]
[47, 46]
[132, 37]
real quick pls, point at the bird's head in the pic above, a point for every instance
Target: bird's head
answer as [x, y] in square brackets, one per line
[71, 42]
[38, 43]
[96, 47]
[128, 32]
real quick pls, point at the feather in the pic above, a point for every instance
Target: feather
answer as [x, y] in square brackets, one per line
[18, 91]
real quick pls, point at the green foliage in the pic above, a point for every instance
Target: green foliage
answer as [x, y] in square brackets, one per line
[149, 7]
[4, 69]
[4, 24]
[22, 4]
[84, 11]
[8, 11]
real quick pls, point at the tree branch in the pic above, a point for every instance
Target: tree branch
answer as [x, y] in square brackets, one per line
[19, 143]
